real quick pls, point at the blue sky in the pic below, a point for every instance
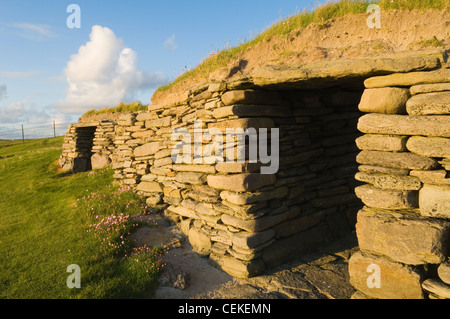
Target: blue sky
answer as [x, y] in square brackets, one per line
[122, 51]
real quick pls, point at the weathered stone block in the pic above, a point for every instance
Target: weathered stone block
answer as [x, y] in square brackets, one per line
[147, 149]
[408, 79]
[249, 198]
[429, 88]
[190, 177]
[396, 160]
[378, 142]
[252, 240]
[444, 272]
[200, 241]
[241, 182]
[434, 201]
[250, 97]
[252, 111]
[261, 223]
[404, 237]
[437, 288]
[236, 167]
[394, 182]
[150, 187]
[238, 268]
[429, 103]
[429, 146]
[430, 125]
[438, 177]
[386, 100]
[396, 281]
[100, 161]
[244, 124]
[386, 198]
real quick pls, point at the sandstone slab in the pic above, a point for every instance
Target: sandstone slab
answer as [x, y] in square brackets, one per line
[241, 182]
[150, 187]
[403, 237]
[147, 149]
[437, 288]
[386, 198]
[436, 177]
[430, 125]
[434, 201]
[250, 97]
[386, 100]
[429, 88]
[200, 241]
[100, 161]
[408, 79]
[379, 142]
[394, 182]
[396, 160]
[429, 104]
[444, 272]
[395, 281]
[429, 146]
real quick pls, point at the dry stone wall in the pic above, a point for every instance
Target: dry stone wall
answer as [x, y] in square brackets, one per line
[244, 220]
[345, 145]
[404, 228]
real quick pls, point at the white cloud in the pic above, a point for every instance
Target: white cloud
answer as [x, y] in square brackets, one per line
[170, 43]
[104, 73]
[37, 32]
[2, 91]
[22, 112]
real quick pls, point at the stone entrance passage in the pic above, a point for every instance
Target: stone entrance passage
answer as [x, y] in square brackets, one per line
[83, 147]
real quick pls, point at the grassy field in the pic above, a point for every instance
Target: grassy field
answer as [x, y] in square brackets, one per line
[50, 220]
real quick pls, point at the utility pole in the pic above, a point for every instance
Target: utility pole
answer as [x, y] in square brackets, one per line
[54, 129]
[23, 136]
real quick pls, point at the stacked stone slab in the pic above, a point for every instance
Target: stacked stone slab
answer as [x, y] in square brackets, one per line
[87, 145]
[404, 227]
[246, 221]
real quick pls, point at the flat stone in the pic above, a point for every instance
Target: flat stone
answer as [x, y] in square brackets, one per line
[386, 198]
[194, 168]
[162, 122]
[241, 182]
[431, 125]
[437, 287]
[259, 224]
[384, 100]
[383, 170]
[379, 142]
[404, 237]
[147, 149]
[183, 211]
[408, 79]
[250, 97]
[250, 198]
[252, 240]
[236, 167]
[429, 146]
[238, 268]
[299, 224]
[434, 201]
[444, 272]
[201, 243]
[397, 281]
[190, 177]
[252, 111]
[99, 161]
[150, 187]
[429, 104]
[394, 182]
[429, 88]
[438, 177]
[396, 160]
[244, 124]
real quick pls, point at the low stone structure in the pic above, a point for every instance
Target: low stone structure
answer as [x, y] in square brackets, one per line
[331, 168]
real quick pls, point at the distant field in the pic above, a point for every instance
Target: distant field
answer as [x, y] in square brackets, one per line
[45, 216]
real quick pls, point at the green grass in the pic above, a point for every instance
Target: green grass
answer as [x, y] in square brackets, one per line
[47, 222]
[131, 107]
[295, 23]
